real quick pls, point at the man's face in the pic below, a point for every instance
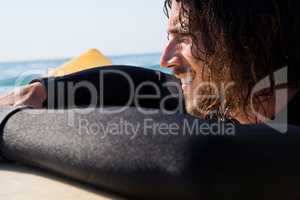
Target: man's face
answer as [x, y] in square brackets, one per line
[177, 56]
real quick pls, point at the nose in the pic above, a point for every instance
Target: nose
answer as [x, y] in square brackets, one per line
[169, 57]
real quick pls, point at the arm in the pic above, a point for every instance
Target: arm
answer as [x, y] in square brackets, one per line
[255, 163]
[136, 165]
[33, 95]
[115, 86]
[104, 86]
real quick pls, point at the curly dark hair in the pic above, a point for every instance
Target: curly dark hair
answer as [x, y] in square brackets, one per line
[244, 40]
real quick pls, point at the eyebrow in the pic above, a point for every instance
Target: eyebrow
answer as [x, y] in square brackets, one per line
[174, 29]
[177, 30]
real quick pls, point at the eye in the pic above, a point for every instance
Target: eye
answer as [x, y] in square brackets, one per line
[184, 38]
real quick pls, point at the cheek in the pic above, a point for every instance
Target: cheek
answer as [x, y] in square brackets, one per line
[195, 64]
[198, 81]
[198, 69]
[193, 50]
[186, 50]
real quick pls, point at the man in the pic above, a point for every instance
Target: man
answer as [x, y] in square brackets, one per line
[231, 43]
[220, 50]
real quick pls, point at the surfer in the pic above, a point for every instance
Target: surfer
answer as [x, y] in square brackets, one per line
[220, 50]
[233, 44]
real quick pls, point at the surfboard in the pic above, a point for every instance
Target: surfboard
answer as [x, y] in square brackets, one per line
[87, 60]
[18, 182]
[23, 183]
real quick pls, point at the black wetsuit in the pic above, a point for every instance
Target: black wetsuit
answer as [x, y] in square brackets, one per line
[294, 110]
[115, 86]
[188, 161]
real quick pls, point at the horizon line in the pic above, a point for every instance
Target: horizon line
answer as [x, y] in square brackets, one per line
[68, 58]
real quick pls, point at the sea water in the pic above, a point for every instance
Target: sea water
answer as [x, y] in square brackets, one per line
[15, 74]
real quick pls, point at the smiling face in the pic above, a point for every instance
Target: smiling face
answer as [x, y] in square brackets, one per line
[178, 57]
[220, 55]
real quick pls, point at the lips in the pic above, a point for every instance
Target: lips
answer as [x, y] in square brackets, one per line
[186, 82]
[187, 79]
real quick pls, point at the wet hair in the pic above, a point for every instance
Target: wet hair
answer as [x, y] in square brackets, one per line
[244, 41]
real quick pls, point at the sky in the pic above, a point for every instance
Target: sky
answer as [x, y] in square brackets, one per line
[46, 29]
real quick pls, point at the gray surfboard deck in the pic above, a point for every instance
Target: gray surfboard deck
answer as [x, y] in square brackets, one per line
[22, 183]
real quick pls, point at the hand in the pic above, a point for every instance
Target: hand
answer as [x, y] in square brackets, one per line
[32, 95]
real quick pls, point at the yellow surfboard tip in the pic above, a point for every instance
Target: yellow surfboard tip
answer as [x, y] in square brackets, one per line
[90, 59]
